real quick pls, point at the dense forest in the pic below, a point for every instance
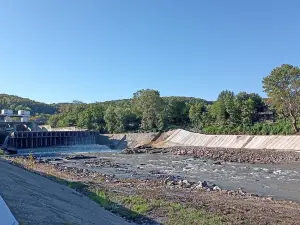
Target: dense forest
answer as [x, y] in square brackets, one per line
[147, 111]
[241, 113]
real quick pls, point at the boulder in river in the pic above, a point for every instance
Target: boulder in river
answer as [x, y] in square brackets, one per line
[201, 184]
[241, 192]
[217, 163]
[186, 184]
[217, 188]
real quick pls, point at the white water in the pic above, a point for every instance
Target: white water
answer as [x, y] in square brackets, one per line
[279, 181]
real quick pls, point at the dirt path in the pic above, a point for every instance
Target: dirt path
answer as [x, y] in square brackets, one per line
[36, 200]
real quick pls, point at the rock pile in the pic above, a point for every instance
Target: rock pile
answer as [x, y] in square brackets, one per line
[239, 155]
[173, 182]
[180, 183]
[82, 173]
[144, 149]
[101, 162]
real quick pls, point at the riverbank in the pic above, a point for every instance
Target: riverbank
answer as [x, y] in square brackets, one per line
[239, 155]
[225, 155]
[165, 199]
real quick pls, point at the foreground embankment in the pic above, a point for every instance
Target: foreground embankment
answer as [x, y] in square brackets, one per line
[163, 200]
[34, 200]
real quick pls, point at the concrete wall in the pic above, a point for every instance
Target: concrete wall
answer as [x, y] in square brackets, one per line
[272, 142]
[129, 140]
[275, 142]
[49, 128]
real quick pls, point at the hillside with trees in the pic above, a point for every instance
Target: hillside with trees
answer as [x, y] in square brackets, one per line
[241, 113]
[231, 113]
[18, 103]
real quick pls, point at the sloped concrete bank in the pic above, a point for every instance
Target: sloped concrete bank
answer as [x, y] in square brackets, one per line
[181, 137]
[185, 138]
[236, 148]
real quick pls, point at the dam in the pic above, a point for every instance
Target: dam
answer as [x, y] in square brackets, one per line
[18, 141]
[17, 132]
[36, 139]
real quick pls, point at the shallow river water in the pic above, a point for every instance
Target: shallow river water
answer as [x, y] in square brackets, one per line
[278, 181]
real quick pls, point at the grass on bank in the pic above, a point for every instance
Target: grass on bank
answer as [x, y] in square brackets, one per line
[135, 207]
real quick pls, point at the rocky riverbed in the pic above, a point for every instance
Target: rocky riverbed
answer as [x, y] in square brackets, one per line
[280, 181]
[240, 155]
[226, 192]
[227, 155]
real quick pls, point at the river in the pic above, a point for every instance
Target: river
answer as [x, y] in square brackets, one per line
[279, 181]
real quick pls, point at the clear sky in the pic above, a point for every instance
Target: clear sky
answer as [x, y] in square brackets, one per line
[94, 50]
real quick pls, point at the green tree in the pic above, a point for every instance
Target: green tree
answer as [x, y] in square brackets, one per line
[54, 119]
[246, 108]
[67, 120]
[149, 106]
[197, 115]
[176, 111]
[121, 119]
[223, 111]
[110, 119]
[92, 118]
[282, 85]
[118, 119]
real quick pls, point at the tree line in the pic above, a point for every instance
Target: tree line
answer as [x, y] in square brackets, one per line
[16, 103]
[241, 113]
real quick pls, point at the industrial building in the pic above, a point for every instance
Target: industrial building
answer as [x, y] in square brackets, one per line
[7, 115]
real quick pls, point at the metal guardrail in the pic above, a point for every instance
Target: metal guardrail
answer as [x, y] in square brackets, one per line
[6, 217]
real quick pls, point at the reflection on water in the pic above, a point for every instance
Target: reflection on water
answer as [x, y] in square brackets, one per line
[281, 181]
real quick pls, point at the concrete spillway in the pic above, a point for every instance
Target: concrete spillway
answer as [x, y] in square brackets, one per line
[29, 139]
[270, 142]
[181, 137]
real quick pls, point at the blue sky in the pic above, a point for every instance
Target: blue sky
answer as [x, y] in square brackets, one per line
[94, 50]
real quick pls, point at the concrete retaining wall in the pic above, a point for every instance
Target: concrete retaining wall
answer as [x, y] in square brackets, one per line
[186, 138]
[275, 142]
[131, 140]
[272, 142]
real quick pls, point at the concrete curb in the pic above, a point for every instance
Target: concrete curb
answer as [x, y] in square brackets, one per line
[6, 216]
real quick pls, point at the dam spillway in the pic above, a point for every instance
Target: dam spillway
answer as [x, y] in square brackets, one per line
[40, 139]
